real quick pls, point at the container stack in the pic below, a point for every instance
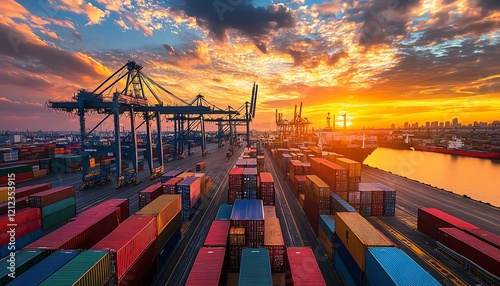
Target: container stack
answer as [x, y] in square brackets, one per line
[66, 164]
[353, 236]
[200, 166]
[203, 184]
[299, 185]
[56, 205]
[250, 183]
[285, 163]
[389, 199]
[304, 269]
[224, 212]
[189, 189]
[269, 211]
[167, 211]
[429, 220]
[353, 172]
[170, 186]
[260, 164]
[23, 173]
[255, 267]
[273, 241]
[28, 228]
[25, 259]
[169, 175]
[133, 249]
[317, 200]
[334, 176]
[88, 228]
[235, 185]
[236, 245]
[296, 169]
[337, 204]
[241, 163]
[150, 194]
[218, 234]
[372, 200]
[267, 189]
[316, 165]
[325, 233]
[251, 163]
[209, 267]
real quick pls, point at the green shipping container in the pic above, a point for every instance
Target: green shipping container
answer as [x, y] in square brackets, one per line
[15, 169]
[255, 267]
[89, 268]
[24, 260]
[58, 217]
[58, 206]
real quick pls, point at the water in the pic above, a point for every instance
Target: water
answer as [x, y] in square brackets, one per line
[476, 178]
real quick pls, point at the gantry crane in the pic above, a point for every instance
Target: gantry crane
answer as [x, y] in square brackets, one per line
[297, 128]
[129, 99]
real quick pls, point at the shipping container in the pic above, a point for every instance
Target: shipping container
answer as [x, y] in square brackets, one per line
[326, 243]
[235, 185]
[481, 253]
[189, 189]
[218, 234]
[51, 196]
[224, 212]
[353, 167]
[337, 204]
[273, 241]
[392, 266]
[20, 231]
[255, 268]
[58, 206]
[267, 191]
[169, 175]
[352, 267]
[150, 194]
[143, 269]
[430, 219]
[170, 186]
[203, 183]
[234, 257]
[303, 267]
[20, 263]
[334, 176]
[327, 224]
[21, 242]
[200, 166]
[58, 217]
[89, 268]
[208, 268]
[249, 185]
[358, 234]
[85, 230]
[342, 271]
[269, 211]
[312, 212]
[30, 190]
[237, 236]
[45, 268]
[318, 191]
[22, 216]
[485, 236]
[164, 208]
[169, 246]
[299, 185]
[249, 214]
[127, 242]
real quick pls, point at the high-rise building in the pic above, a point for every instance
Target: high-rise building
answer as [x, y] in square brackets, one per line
[447, 124]
[455, 122]
[407, 125]
[427, 124]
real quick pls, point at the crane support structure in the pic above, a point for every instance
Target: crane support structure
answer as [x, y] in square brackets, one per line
[132, 89]
[296, 129]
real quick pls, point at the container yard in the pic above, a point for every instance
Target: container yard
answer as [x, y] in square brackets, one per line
[249, 217]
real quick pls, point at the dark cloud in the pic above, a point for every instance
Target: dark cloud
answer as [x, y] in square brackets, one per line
[25, 81]
[40, 58]
[253, 22]
[489, 4]
[169, 48]
[77, 35]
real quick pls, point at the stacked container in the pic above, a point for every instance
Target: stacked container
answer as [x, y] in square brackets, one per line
[57, 205]
[299, 185]
[133, 249]
[267, 191]
[269, 211]
[203, 184]
[169, 175]
[296, 168]
[86, 229]
[250, 183]
[273, 241]
[255, 267]
[285, 163]
[189, 189]
[353, 236]
[209, 267]
[353, 172]
[167, 210]
[317, 200]
[372, 200]
[28, 228]
[218, 234]
[429, 220]
[260, 164]
[334, 175]
[170, 186]
[389, 201]
[304, 269]
[24, 260]
[236, 245]
[337, 204]
[325, 233]
[224, 212]
[150, 194]
[235, 185]
[23, 173]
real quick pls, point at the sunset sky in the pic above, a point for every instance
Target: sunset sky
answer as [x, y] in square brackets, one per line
[379, 61]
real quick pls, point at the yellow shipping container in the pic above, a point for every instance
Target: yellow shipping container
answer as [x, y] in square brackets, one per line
[186, 175]
[237, 236]
[165, 208]
[269, 211]
[4, 191]
[327, 244]
[272, 232]
[353, 167]
[358, 235]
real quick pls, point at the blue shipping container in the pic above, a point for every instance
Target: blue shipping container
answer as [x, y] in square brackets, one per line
[247, 210]
[58, 206]
[341, 269]
[23, 260]
[21, 242]
[349, 262]
[167, 250]
[391, 266]
[187, 202]
[224, 212]
[250, 193]
[327, 224]
[41, 271]
[339, 205]
[255, 267]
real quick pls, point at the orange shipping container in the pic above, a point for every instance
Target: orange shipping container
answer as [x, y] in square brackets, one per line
[273, 241]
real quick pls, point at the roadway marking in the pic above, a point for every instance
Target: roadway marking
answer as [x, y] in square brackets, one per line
[286, 201]
[438, 266]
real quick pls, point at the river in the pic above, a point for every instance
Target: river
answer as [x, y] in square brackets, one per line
[477, 178]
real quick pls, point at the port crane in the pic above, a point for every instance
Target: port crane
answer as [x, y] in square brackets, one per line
[296, 128]
[130, 99]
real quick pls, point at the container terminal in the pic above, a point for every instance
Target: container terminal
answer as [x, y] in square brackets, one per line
[256, 210]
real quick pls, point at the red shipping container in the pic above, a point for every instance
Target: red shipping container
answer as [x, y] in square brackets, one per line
[235, 184]
[267, 189]
[483, 254]
[316, 165]
[377, 210]
[200, 166]
[149, 194]
[303, 268]
[218, 233]
[21, 231]
[85, 230]
[485, 236]
[123, 206]
[51, 196]
[377, 197]
[20, 204]
[21, 217]
[334, 176]
[430, 219]
[30, 190]
[300, 182]
[170, 187]
[208, 268]
[21, 177]
[128, 241]
[143, 270]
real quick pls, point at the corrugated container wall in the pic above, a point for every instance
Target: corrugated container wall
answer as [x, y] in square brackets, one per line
[208, 268]
[224, 212]
[303, 268]
[255, 268]
[218, 234]
[430, 219]
[273, 241]
[24, 260]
